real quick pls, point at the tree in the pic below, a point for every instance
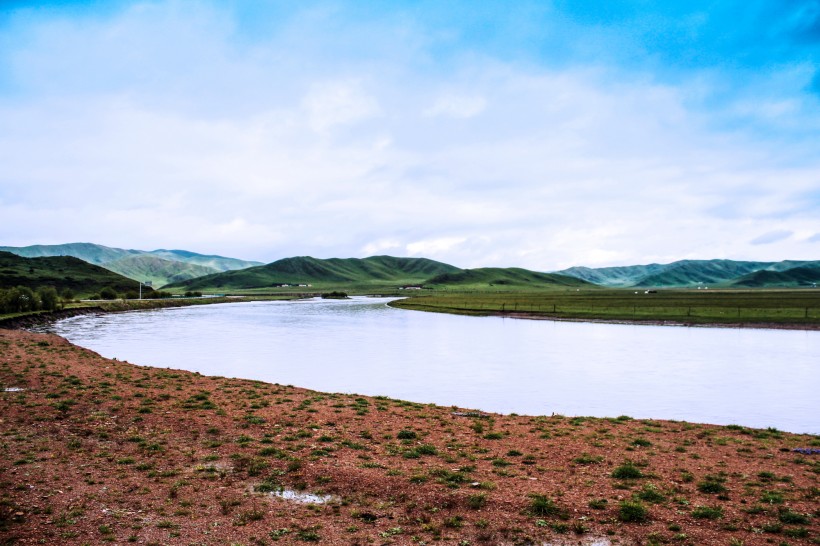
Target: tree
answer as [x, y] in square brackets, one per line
[49, 301]
[108, 293]
[67, 294]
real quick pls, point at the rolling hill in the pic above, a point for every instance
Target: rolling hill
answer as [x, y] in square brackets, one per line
[147, 267]
[378, 270]
[683, 273]
[512, 277]
[175, 265]
[801, 276]
[61, 272]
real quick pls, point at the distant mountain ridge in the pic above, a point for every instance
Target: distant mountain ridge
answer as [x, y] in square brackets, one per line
[159, 266]
[692, 273]
[306, 269]
[60, 272]
[505, 277]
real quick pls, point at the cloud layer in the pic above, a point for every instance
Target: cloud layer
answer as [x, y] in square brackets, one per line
[475, 137]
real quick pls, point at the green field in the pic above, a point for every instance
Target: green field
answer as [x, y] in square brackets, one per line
[687, 306]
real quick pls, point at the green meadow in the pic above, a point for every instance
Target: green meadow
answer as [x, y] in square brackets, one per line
[689, 306]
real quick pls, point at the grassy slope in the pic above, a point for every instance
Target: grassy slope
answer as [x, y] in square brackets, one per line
[791, 278]
[798, 307]
[88, 252]
[336, 272]
[694, 272]
[157, 270]
[677, 274]
[503, 279]
[219, 263]
[60, 272]
[181, 264]
[613, 276]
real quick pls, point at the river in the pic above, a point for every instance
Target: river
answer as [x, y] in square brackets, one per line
[756, 378]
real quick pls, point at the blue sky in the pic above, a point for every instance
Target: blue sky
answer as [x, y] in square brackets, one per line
[535, 134]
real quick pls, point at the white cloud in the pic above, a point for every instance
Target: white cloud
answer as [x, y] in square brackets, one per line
[457, 106]
[171, 133]
[329, 104]
[771, 237]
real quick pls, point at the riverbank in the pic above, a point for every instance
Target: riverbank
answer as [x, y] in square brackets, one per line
[100, 450]
[39, 318]
[767, 309]
[634, 322]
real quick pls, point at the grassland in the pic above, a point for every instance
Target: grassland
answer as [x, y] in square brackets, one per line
[756, 307]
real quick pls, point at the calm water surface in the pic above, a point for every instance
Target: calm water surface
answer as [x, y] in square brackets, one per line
[759, 378]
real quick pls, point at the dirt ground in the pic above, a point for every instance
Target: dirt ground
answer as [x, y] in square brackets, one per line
[97, 451]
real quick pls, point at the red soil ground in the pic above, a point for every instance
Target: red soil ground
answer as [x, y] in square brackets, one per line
[97, 451]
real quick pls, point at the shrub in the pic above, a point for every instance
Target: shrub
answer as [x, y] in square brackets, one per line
[712, 485]
[632, 512]
[707, 512]
[586, 458]
[477, 501]
[650, 493]
[598, 504]
[407, 435]
[787, 516]
[108, 293]
[627, 471]
[542, 505]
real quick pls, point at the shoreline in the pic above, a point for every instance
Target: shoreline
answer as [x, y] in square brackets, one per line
[108, 450]
[523, 315]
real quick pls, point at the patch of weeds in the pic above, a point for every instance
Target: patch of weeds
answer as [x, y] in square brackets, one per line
[641, 442]
[493, 436]
[627, 471]
[771, 497]
[796, 532]
[477, 501]
[632, 512]
[598, 504]
[586, 458]
[308, 535]
[543, 506]
[707, 512]
[790, 517]
[454, 522]
[251, 515]
[276, 534]
[712, 485]
[650, 493]
[407, 435]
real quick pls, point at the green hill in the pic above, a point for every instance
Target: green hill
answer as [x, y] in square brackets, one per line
[61, 272]
[176, 265]
[683, 273]
[219, 263]
[802, 276]
[502, 278]
[147, 267]
[695, 272]
[375, 270]
[613, 276]
[88, 252]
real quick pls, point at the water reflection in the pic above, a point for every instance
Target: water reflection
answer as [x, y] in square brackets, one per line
[750, 377]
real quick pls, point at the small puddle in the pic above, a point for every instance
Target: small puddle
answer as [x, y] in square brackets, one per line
[13, 389]
[299, 496]
[593, 541]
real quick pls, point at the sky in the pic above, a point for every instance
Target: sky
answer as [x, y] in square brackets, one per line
[537, 134]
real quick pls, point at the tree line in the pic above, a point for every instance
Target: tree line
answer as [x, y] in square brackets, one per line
[22, 299]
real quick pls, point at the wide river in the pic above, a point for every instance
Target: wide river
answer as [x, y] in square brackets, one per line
[757, 378]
